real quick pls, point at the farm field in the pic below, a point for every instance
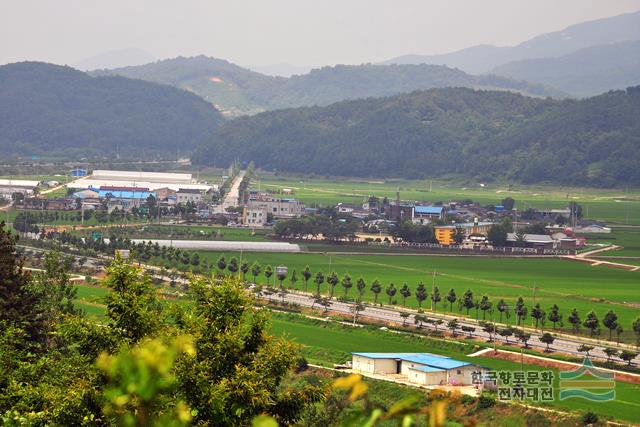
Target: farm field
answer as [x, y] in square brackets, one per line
[627, 237]
[329, 343]
[567, 284]
[197, 232]
[610, 205]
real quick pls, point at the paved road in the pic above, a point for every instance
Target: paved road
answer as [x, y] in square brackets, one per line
[232, 198]
[562, 344]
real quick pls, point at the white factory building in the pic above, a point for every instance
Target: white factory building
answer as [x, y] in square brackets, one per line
[10, 186]
[150, 181]
[419, 368]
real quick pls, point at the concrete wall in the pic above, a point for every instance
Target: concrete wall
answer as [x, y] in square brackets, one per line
[463, 375]
[428, 378]
[405, 369]
[385, 366]
[363, 364]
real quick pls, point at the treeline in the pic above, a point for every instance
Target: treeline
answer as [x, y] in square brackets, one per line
[50, 110]
[478, 134]
[240, 91]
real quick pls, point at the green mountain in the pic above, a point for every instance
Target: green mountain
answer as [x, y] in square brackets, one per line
[237, 91]
[484, 58]
[478, 134]
[585, 72]
[47, 109]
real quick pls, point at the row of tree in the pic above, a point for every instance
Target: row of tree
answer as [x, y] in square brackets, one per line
[467, 301]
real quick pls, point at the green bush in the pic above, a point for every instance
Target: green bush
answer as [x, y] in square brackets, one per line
[485, 401]
[589, 418]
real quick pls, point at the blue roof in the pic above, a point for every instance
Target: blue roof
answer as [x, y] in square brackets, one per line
[434, 210]
[431, 360]
[426, 369]
[434, 361]
[125, 194]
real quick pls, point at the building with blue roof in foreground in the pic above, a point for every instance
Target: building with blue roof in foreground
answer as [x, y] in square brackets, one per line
[419, 368]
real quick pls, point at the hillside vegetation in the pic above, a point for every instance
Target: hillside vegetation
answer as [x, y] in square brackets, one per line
[238, 91]
[586, 72]
[482, 134]
[47, 109]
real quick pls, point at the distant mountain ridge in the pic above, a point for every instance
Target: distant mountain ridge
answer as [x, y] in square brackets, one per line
[484, 58]
[52, 110]
[115, 59]
[585, 72]
[238, 91]
[482, 135]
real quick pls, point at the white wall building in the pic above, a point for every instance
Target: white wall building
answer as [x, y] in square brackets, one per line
[420, 368]
[10, 186]
[254, 216]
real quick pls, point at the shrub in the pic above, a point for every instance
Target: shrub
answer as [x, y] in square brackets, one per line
[485, 401]
[301, 365]
[589, 418]
[467, 400]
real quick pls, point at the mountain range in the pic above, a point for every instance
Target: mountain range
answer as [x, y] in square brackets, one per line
[238, 91]
[51, 110]
[586, 72]
[477, 134]
[484, 58]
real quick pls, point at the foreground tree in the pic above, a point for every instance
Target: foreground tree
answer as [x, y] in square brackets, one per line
[132, 305]
[237, 370]
[20, 307]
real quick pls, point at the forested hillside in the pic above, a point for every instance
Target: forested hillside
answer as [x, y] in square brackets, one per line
[586, 72]
[47, 109]
[238, 91]
[480, 134]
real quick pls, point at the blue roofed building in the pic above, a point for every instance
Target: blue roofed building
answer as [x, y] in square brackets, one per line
[427, 214]
[419, 368]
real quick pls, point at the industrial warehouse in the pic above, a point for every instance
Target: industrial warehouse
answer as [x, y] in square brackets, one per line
[423, 369]
[142, 181]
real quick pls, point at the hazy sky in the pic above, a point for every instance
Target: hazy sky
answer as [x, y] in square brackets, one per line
[302, 32]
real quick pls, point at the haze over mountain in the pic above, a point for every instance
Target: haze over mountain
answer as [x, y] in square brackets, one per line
[484, 58]
[477, 134]
[585, 72]
[52, 110]
[281, 69]
[237, 91]
[115, 59]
